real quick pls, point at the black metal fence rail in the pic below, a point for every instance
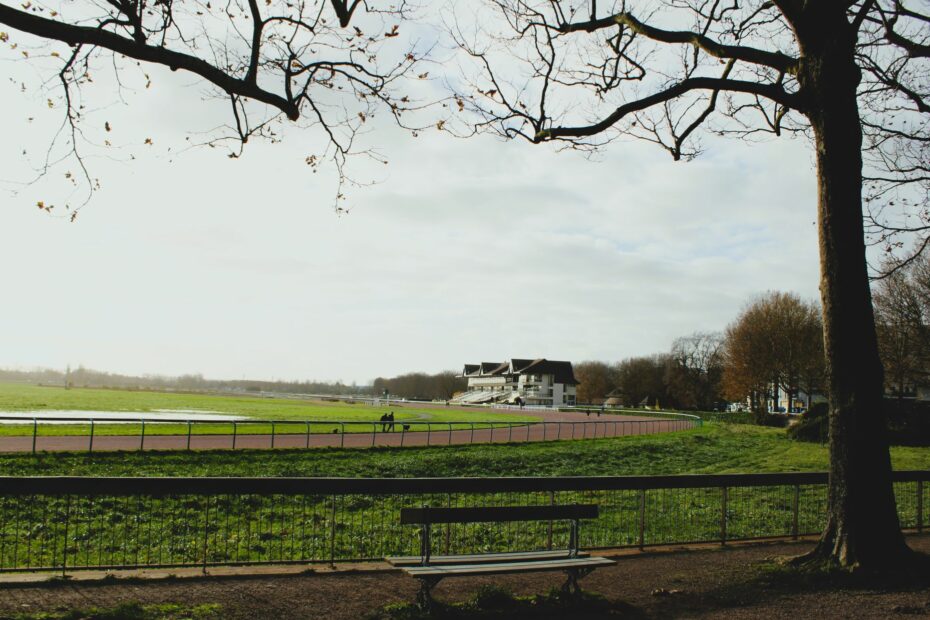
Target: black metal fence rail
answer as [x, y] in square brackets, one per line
[65, 523]
[146, 434]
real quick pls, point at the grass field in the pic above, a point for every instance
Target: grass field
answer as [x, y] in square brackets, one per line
[20, 397]
[37, 531]
[714, 448]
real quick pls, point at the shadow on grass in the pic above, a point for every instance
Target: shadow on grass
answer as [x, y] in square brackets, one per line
[492, 602]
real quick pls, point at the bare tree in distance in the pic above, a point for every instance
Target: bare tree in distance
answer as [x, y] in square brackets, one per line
[852, 75]
[330, 64]
[694, 370]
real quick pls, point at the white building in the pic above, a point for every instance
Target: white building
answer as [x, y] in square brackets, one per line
[534, 382]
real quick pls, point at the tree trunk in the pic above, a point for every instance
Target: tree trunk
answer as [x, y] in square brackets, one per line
[862, 523]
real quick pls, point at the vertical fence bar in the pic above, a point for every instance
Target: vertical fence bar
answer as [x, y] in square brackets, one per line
[509, 432]
[206, 530]
[544, 430]
[188, 435]
[332, 535]
[272, 435]
[723, 515]
[428, 432]
[374, 432]
[549, 529]
[90, 442]
[920, 506]
[642, 519]
[142, 437]
[472, 440]
[450, 434]
[64, 550]
[795, 508]
[308, 435]
[35, 431]
[235, 433]
[342, 435]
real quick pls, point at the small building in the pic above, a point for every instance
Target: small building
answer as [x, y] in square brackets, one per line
[538, 382]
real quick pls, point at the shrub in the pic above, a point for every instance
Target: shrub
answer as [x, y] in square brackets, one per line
[812, 426]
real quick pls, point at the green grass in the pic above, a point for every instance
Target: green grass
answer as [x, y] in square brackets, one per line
[711, 449]
[20, 397]
[187, 530]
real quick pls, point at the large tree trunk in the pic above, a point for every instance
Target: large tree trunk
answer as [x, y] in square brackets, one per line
[862, 522]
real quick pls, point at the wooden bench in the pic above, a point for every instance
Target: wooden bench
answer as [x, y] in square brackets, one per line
[430, 569]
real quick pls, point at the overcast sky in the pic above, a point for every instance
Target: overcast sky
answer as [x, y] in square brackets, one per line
[465, 251]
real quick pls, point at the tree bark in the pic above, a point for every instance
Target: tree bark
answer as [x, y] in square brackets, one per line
[862, 528]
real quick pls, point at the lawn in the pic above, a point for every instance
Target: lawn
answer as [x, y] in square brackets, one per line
[21, 397]
[714, 448]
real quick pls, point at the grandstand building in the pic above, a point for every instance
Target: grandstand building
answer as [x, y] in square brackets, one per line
[533, 382]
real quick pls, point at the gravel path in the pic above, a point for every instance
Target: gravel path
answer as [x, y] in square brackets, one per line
[713, 582]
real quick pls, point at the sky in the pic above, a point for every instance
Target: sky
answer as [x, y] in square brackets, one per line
[463, 251]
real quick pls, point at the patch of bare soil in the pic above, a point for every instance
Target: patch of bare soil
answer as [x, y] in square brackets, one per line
[733, 582]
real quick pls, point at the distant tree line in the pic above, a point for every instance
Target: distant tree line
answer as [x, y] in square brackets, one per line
[775, 343]
[686, 377]
[85, 377]
[421, 386]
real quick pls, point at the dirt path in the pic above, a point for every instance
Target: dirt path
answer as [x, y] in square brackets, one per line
[554, 425]
[718, 582]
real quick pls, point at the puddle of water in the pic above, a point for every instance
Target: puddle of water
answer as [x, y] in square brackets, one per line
[60, 416]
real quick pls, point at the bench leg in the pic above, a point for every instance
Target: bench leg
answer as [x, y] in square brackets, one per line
[571, 588]
[424, 595]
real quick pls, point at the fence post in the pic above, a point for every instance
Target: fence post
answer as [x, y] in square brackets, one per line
[206, 536]
[35, 431]
[429, 430]
[544, 430]
[308, 434]
[142, 437]
[188, 434]
[642, 519]
[342, 435]
[332, 535]
[374, 432]
[472, 440]
[272, 435]
[509, 432]
[723, 515]
[235, 433]
[795, 508]
[90, 442]
[64, 551]
[920, 506]
[549, 533]
[450, 434]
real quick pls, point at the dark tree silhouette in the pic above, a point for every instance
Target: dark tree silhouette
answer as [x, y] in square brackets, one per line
[853, 75]
[315, 62]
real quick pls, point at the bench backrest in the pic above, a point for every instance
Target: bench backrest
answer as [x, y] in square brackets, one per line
[497, 514]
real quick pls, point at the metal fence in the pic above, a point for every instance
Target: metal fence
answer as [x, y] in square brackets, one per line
[67, 524]
[83, 433]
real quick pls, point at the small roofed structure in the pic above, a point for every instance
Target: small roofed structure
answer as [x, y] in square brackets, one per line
[537, 381]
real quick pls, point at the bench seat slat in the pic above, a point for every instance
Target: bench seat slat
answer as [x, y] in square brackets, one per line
[505, 568]
[483, 558]
[497, 514]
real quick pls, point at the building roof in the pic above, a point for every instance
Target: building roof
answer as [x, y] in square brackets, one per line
[562, 371]
[489, 368]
